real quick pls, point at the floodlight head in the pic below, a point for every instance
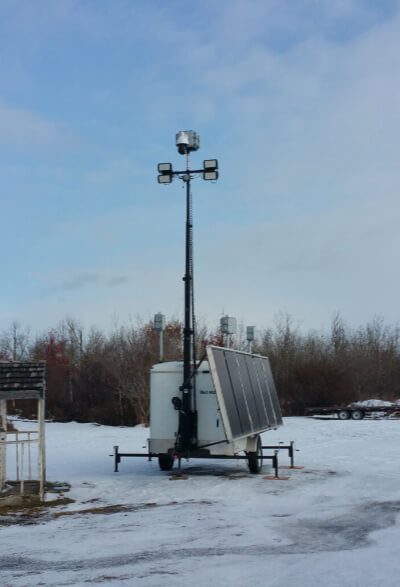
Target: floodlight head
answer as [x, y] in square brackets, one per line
[165, 171]
[164, 168]
[210, 175]
[210, 164]
[159, 322]
[250, 333]
[228, 325]
[210, 169]
[164, 178]
[187, 141]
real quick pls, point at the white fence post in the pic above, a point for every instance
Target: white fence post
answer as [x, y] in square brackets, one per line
[42, 446]
[22, 467]
[3, 446]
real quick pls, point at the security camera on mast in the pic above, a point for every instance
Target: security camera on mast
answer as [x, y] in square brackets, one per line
[187, 141]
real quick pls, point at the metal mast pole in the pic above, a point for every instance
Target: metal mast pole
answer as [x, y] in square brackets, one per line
[186, 420]
[187, 334]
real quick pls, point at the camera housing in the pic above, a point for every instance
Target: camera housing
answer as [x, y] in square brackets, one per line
[187, 141]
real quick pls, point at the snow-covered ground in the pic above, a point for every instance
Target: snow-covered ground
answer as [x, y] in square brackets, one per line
[333, 523]
[376, 403]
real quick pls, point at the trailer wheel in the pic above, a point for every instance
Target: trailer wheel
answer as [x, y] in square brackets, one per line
[255, 459]
[344, 415]
[165, 461]
[357, 415]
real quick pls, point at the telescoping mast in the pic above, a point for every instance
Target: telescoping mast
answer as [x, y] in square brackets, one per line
[188, 142]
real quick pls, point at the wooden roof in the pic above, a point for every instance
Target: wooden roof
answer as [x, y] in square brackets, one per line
[22, 380]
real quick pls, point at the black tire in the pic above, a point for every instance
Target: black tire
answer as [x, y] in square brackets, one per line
[357, 415]
[344, 415]
[165, 461]
[255, 459]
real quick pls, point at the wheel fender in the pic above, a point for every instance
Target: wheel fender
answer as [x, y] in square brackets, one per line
[251, 443]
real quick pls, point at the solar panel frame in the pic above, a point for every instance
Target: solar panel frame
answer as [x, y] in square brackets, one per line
[245, 390]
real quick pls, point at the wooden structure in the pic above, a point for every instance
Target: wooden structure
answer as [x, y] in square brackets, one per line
[21, 380]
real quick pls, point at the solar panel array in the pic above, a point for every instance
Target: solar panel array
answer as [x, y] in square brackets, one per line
[246, 391]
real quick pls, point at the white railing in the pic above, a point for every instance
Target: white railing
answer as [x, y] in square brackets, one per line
[24, 439]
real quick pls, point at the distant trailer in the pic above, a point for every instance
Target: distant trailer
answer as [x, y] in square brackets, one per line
[353, 411]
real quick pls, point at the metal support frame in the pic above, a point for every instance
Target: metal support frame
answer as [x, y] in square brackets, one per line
[161, 346]
[290, 448]
[274, 458]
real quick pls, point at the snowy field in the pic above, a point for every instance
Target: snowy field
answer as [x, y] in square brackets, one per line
[333, 523]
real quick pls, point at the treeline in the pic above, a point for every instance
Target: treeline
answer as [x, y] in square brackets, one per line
[337, 367]
[104, 377]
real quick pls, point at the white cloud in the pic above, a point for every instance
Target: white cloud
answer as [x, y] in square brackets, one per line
[73, 280]
[28, 131]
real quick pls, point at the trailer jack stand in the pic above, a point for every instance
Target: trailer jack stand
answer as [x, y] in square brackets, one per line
[117, 459]
[275, 477]
[291, 451]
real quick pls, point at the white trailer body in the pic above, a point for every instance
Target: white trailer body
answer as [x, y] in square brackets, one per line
[235, 401]
[165, 380]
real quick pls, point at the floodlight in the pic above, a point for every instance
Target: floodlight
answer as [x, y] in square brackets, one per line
[164, 178]
[164, 167]
[210, 164]
[250, 333]
[228, 325]
[210, 175]
[159, 322]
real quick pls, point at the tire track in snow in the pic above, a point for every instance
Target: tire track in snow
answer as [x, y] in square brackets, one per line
[345, 532]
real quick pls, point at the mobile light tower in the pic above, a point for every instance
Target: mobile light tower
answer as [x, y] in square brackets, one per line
[188, 141]
[235, 400]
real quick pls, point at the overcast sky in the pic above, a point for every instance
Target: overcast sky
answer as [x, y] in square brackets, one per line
[298, 99]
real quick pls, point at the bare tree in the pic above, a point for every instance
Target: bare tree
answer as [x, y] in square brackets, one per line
[15, 342]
